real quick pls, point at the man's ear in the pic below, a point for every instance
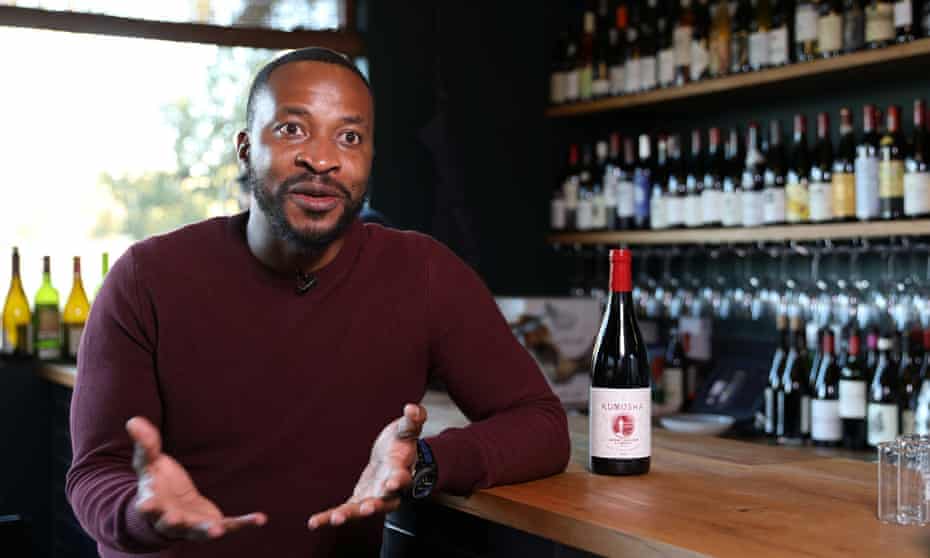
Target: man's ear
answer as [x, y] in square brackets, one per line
[242, 146]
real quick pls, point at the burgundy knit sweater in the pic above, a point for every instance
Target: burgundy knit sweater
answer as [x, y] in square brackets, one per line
[272, 400]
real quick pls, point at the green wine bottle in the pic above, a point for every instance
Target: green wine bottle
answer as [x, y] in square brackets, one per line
[47, 317]
[104, 268]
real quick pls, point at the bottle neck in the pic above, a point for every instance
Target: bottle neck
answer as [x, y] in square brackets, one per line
[621, 281]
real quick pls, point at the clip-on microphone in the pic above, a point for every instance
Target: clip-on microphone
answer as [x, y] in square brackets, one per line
[305, 282]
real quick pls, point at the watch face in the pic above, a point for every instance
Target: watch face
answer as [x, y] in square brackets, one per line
[423, 482]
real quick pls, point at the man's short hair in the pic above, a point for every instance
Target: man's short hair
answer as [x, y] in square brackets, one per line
[309, 54]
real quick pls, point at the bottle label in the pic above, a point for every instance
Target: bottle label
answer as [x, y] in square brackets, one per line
[769, 410]
[759, 49]
[699, 59]
[657, 212]
[805, 415]
[879, 22]
[48, 333]
[74, 339]
[710, 207]
[611, 185]
[907, 422]
[821, 194]
[633, 81]
[647, 72]
[891, 179]
[620, 423]
[673, 385]
[867, 203]
[852, 399]
[557, 88]
[617, 79]
[682, 41]
[830, 33]
[778, 46]
[666, 67]
[826, 425]
[570, 193]
[752, 208]
[584, 82]
[598, 213]
[600, 88]
[641, 193]
[572, 85]
[557, 215]
[916, 193]
[798, 207]
[693, 217]
[585, 216]
[732, 209]
[844, 195]
[773, 207]
[625, 199]
[883, 423]
[673, 211]
[903, 14]
[805, 23]
[17, 340]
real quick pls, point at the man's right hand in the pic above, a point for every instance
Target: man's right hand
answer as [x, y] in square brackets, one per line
[167, 496]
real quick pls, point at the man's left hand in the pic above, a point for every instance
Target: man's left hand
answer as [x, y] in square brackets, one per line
[387, 474]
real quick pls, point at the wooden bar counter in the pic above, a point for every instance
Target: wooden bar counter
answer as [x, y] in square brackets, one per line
[704, 496]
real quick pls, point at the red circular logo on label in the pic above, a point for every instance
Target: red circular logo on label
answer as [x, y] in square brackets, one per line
[623, 425]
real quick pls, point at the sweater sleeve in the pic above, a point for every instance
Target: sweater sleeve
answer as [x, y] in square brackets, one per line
[115, 381]
[519, 431]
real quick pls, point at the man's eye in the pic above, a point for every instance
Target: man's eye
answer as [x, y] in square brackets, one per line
[353, 138]
[289, 128]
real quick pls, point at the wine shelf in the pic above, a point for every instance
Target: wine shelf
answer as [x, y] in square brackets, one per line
[916, 51]
[738, 235]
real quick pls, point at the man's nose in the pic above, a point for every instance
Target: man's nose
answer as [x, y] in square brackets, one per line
[319, 155]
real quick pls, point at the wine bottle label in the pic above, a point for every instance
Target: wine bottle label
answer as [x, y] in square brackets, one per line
[778, 46]
[682, 40]
[620, 423]
[844, 195]
[903, 13]
[882, 423]
[641, 193]
[830, 33]
[693, 217]
[570, 193]
[805, 23]
[584, 216]
[647, 72]
[600, 87]
[710, 207]
[916, 193]
[752, 208]
[731, 212]
[773, 206]
[798, 207]
[657, 212]
[699, 59]
[617, 79]
[633, 80]
[557, 88]
[674, 214]
[826, 425]
[598, 213]
[585, 79]
[867, 201]
[907, 422]
[673, 385]
[879, 22]
[74, 339]
[769, 410]
[821, 197]
[611, 185]
[572, 85]
[891, 179]
[805, 415]
[557, 215]
[759, 50]
[852, 399]
[666, 67]
[17, 339]
[625, 199]
[48, 333]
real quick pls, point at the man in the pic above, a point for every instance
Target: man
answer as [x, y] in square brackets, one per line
[262, 360]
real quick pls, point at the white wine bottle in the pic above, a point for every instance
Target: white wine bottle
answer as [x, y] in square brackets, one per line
[104, 269]
[75, 315]
[46, 320]
[17, 319]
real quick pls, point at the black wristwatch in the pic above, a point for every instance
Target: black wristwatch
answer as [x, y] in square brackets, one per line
[425, 472]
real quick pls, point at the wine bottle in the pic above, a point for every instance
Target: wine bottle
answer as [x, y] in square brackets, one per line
[586, 57]
[882, 406]
[104, 269]
[732, 203]
[739, 37]
[683, 33]
[570, 189]
[633, 68]
[773, 207]
[676, 186]
[844, 171]
[658, 214]
[776, 372]
[871, 358]
[617, 51]
[922, 405]
[720, 36]
[600, 77]
[626, 189]
[611, 180]
[571, 74]
[891, 167]
[673, 375]
[830, 28]
[867, 155]
[821, 177]
[759, 35]
[557, 71]
[75, 315]
[853, 25]
[879, 23]
[905, 30]
[794, 399]
[648, 71]
[826, 424]
[620, 414]
[665, 45]
[17, 319]
[599, 206]
[806, 20]
[852, 388]
[910, 374]
[779, 45]
[796, 189]
[695, 183]
[916, 169]
[700, 41]
[47, 317]
[753, 181]
[643, 180]
[711, 197]
[585, 212]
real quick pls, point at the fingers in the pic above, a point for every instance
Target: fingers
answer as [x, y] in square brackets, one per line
[147, 441]
[398, 481]
[233, 524]
[195, 527]
[411, 424]
[349, 511]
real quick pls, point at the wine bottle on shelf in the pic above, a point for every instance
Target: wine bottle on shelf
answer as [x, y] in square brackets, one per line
[794, 400]
[779, 43]
[844, 171]
[882, 406]
[731, 198]
[700, 41]
[104, 269]
[773, 207]
[910, 374]
[658, 218]
[826, 424]
[683, 33]
[814, 336]
[694, 183]
[676, 186]
[47, 317]
[871, 359]
[753, 180]
[922, 405]
[600, 77]
[797, 189]
[643, 179]
[586, 57]
[830, 28]
[620, 413]
[665, 45]
[891, 167]
[611, 180]
[821, 177]
[633, 66]
[852, 390]
[879, 23]
[924, 18]
[916, 170]
[17, 319]
[557, 211]
[739, 37]
[904, 18]
[711, 197]
[599, 193]
[867, 159]
[759, 34]
[585, 211]
[720, 36]
[570, 189]
[571, 75]
[626, 189]
[74, 316]
[806, 20]
[673, 374]
[617, 51]
[557, 71]
[853, 25]
[648, 72]
[776, 372]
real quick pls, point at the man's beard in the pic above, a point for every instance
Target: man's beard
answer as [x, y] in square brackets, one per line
[272, 205]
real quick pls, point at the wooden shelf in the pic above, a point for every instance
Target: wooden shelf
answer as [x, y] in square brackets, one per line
[916, 51]
[746, 235]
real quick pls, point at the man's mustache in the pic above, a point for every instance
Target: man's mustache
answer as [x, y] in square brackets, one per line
[316, 179]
